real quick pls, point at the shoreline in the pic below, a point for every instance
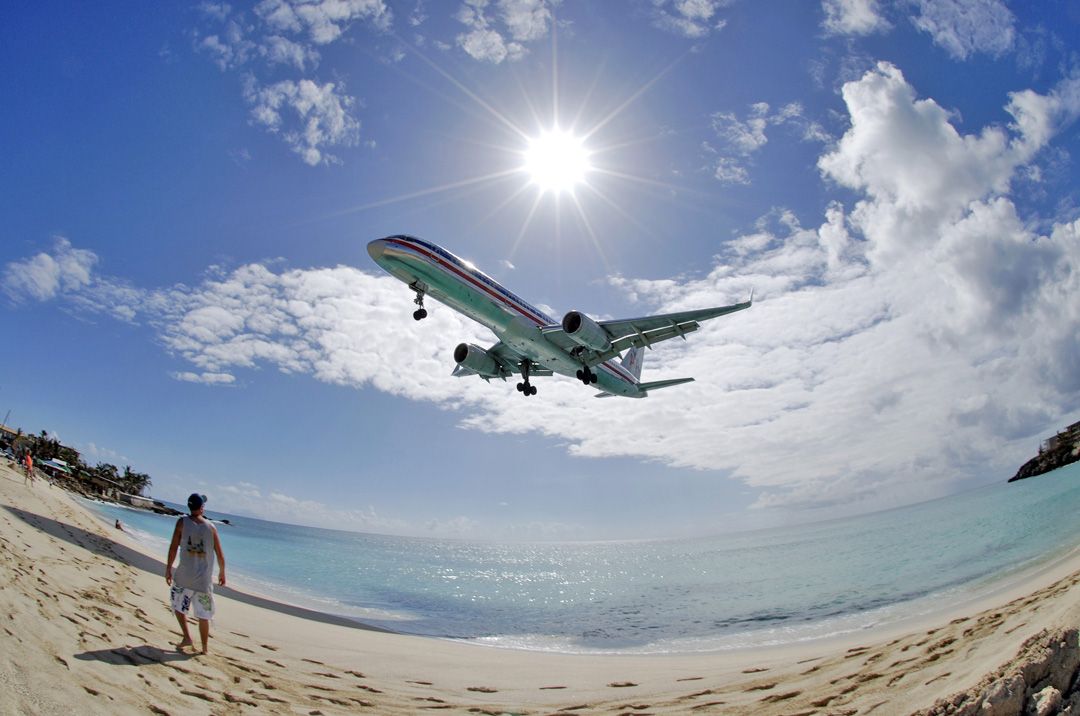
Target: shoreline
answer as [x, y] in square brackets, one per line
[87, 624]
[914, 614]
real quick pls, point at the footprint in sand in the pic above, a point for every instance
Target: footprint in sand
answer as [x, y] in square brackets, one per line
[776, 698]
[937, 678]
[708, 705]
[483, 689]
[621, 684]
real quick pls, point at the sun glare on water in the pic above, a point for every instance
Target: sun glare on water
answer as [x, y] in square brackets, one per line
[556, 161]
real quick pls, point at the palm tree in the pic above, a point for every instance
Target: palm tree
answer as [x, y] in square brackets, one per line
[134, 482]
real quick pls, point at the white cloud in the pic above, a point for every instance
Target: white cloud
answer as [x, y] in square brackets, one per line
[693, 19]
[738, 139]
[323, 111]
[965, 27]
[281, 50]
[499, 33]
[246, 498]
[286, 34]
[44, 276]
[853, 17]
[93, 454]
[323, 21]
[206, 378]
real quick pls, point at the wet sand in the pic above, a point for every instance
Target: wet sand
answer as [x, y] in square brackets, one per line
[86, 629]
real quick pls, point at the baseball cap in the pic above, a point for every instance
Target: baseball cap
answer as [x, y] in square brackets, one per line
[196, 501]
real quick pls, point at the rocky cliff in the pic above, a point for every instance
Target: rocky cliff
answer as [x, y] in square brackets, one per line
[1041, 680]
[1057, 452]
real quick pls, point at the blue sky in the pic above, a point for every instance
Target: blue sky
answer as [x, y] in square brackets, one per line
[188, 191]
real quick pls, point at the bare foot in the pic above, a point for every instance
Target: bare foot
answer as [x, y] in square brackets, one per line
[180, 645]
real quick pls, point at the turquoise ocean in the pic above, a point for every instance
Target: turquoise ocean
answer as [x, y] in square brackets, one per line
[758, 588]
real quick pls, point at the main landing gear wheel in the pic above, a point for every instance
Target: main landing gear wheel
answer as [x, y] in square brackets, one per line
[525, 387]
[586, 376]
[420, 313]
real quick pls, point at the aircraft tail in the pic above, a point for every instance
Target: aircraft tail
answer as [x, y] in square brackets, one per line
[632, 361]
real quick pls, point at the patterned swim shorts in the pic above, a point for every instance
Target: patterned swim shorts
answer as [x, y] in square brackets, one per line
[202, 602]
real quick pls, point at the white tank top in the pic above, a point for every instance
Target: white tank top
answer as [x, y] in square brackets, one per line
[196, 570]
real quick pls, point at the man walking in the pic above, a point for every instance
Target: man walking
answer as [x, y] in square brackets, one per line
[28, 463]
[192, 585]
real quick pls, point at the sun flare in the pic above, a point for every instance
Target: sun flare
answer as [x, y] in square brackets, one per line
[556, 161]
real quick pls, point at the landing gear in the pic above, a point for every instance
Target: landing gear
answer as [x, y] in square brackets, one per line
[586, 376]
[420, 313]
[525, 387]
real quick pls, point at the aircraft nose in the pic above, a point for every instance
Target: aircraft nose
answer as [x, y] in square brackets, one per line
[376, 249]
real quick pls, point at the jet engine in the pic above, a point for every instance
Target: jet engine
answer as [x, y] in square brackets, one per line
[477, 360]
[585, 331]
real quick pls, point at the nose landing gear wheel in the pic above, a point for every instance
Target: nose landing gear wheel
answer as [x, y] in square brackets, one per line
[420, 313]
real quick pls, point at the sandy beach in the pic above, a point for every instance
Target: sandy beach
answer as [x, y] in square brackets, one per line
[86, 629]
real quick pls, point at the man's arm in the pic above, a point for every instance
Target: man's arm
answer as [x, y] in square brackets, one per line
[173, 547]
[220, 558]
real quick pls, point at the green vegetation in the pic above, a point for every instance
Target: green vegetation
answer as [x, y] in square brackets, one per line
[43, 447]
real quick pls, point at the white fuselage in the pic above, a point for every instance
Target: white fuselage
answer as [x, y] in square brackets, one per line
[451, 280]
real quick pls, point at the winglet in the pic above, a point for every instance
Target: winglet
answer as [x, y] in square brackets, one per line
[751, 299]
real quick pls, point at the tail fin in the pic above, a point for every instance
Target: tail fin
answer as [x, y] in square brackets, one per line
[632, 361]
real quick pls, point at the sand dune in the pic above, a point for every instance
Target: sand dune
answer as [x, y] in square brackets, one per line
[86, 629]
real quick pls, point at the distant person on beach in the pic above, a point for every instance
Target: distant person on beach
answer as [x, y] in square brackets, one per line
[192, 585]
[28, 461]
[119, 526]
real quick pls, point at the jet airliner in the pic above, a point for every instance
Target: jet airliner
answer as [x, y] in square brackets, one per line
[531, 343]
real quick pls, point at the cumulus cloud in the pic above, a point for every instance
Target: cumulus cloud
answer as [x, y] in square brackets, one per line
[853, 17]
[309, 115]
[499, 31]
[919, 335]
[46, 275]
[694, 19]
[737, 139]
[322, 21]
[322, 111]
[967, 27]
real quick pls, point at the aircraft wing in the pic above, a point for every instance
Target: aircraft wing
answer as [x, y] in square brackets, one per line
[641, 332]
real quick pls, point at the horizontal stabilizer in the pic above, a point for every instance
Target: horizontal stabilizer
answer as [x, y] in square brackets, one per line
[658, 384]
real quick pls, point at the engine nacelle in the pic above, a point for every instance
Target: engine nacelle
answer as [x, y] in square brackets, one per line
[585, 331]
[477, 360]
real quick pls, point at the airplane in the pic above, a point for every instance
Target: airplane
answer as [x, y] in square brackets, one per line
[531, 343]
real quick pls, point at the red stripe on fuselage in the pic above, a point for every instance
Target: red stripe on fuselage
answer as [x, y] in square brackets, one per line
[616, 370]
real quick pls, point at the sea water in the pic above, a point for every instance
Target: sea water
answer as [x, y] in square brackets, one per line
[757, 588]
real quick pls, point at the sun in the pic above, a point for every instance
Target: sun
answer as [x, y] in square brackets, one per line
[556, 161]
